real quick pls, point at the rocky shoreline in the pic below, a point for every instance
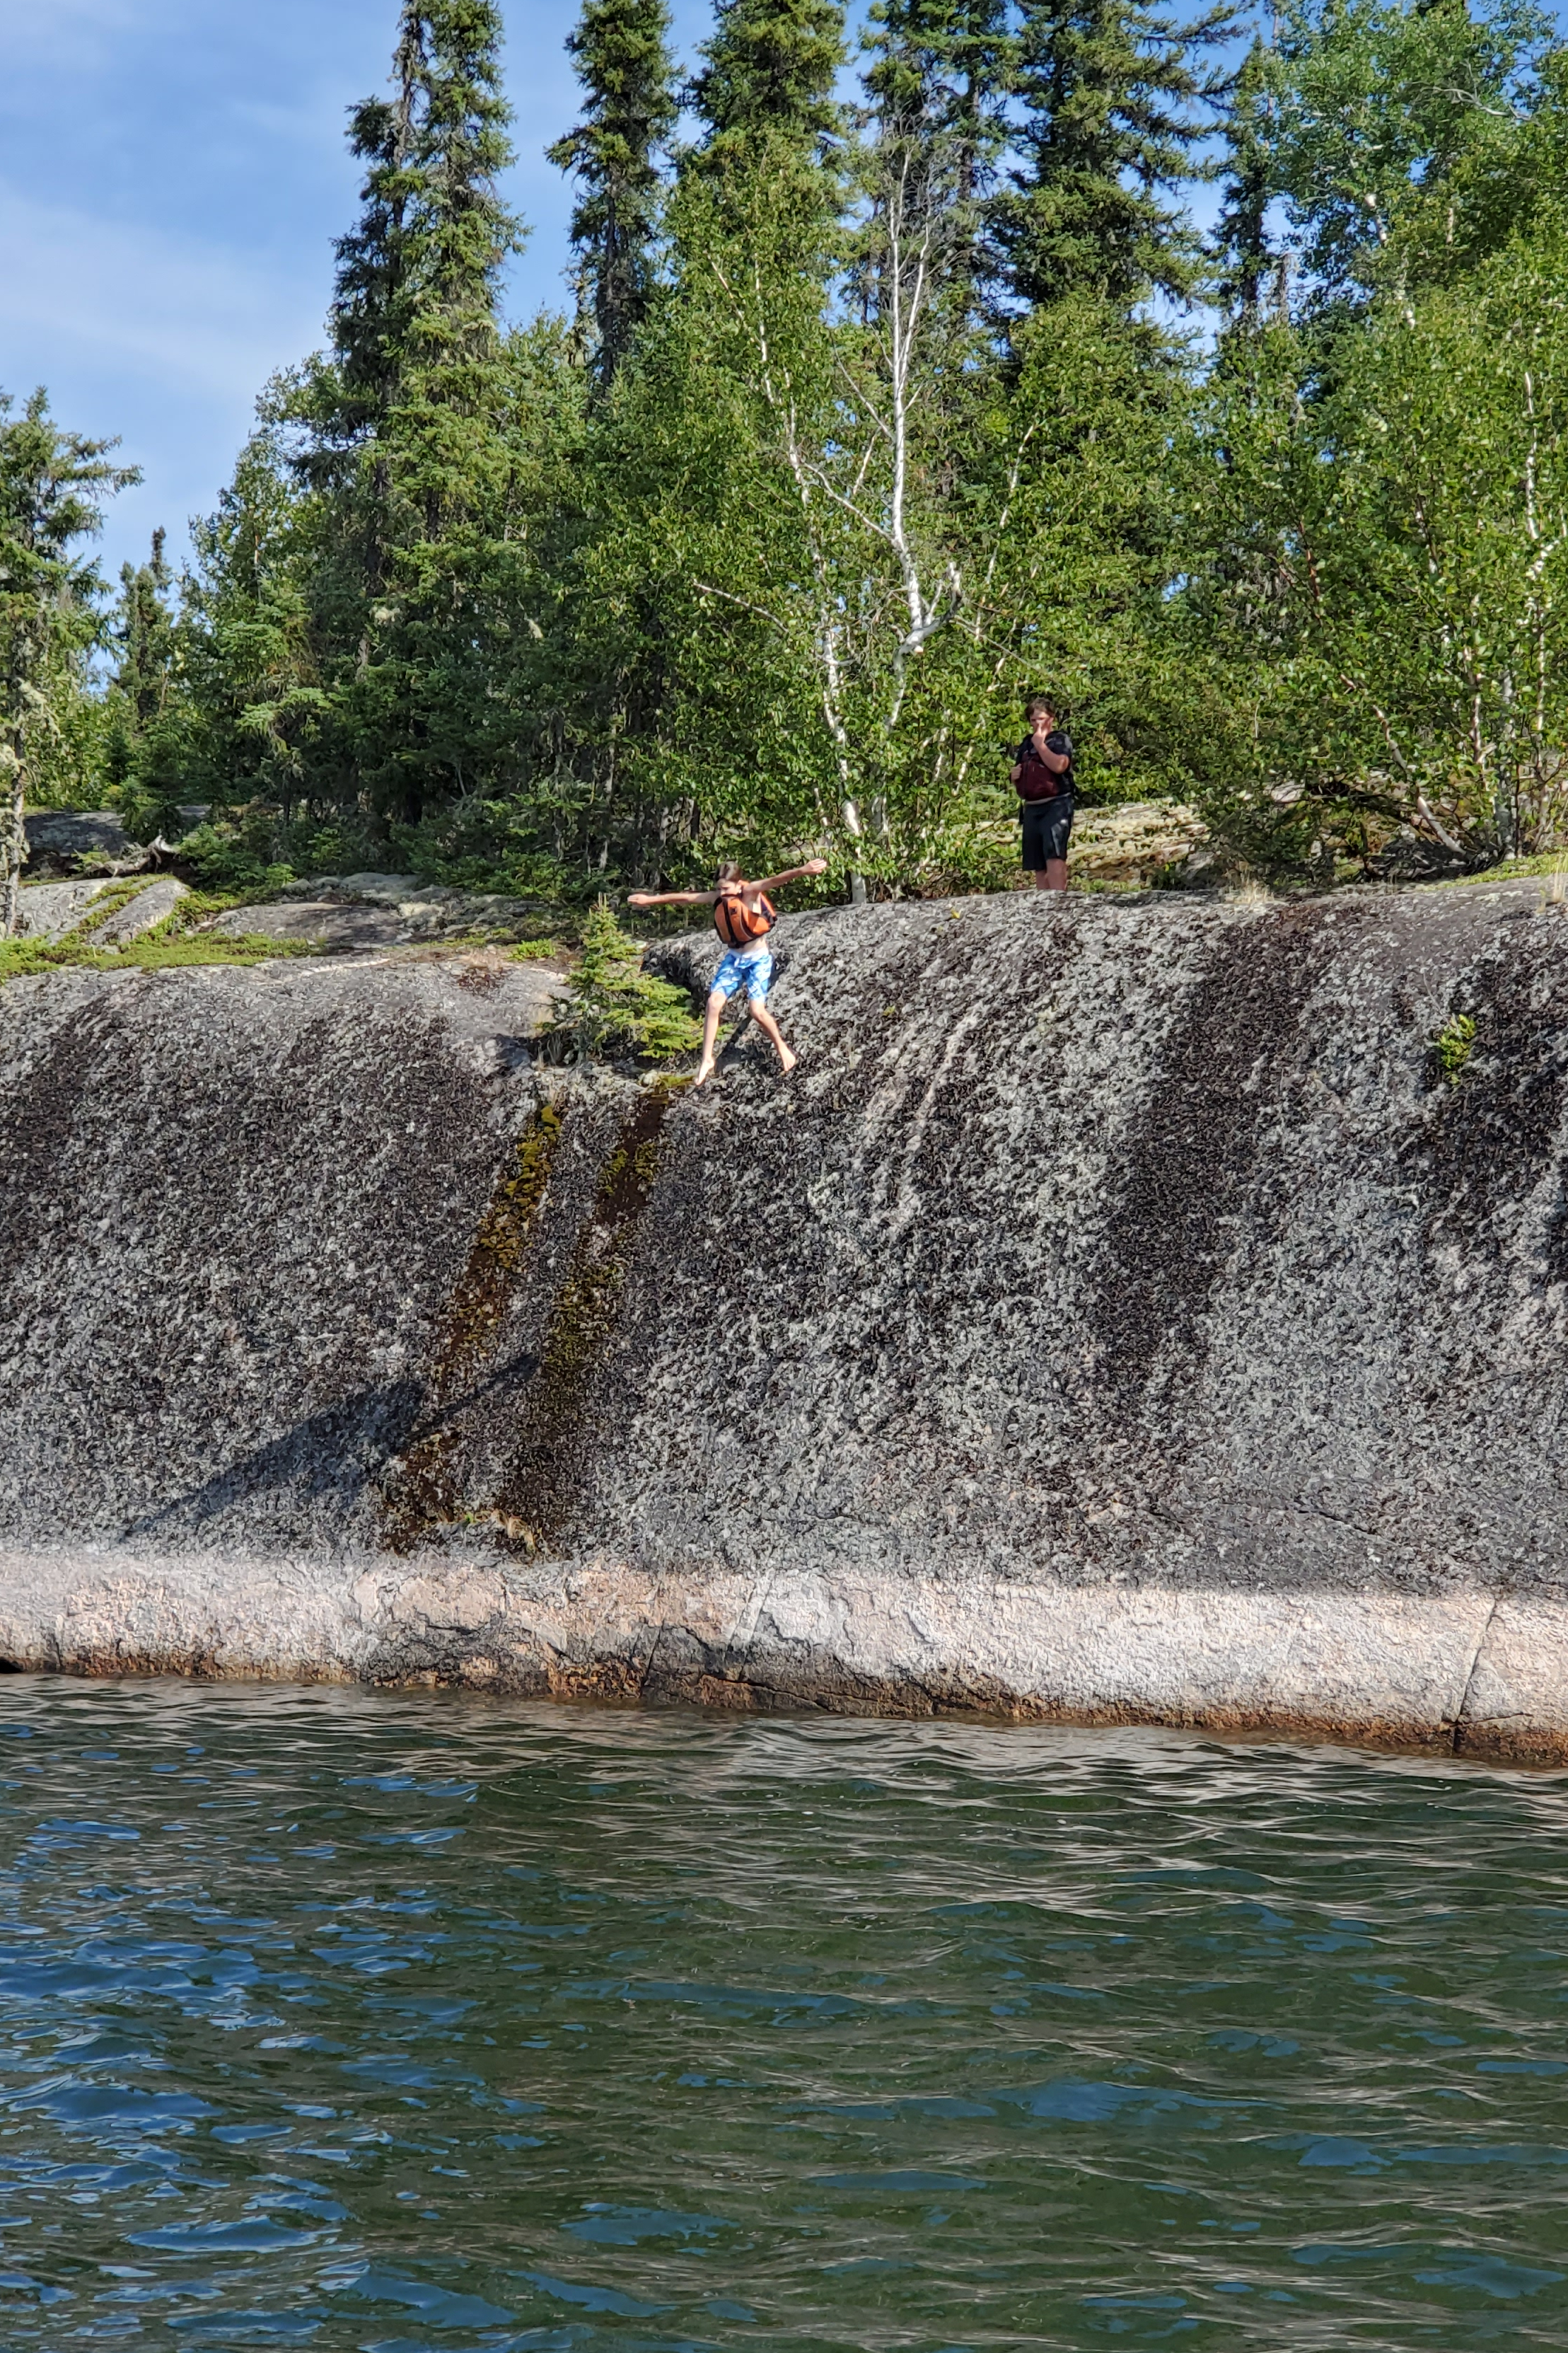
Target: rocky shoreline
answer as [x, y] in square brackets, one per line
[1128, 1313]
[1482, 1675]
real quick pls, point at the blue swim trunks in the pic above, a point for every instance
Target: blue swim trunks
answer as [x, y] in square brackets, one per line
[753, 966]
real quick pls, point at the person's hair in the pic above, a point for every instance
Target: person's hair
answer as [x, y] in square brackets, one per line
[729, 872]
[1046, 702]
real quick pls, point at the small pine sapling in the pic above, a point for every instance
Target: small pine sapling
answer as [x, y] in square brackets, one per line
[614, 1008]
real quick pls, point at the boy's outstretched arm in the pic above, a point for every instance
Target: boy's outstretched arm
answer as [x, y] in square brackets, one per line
[790, 874]
[671, 898]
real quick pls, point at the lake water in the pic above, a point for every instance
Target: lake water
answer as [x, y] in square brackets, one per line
[349, 2019]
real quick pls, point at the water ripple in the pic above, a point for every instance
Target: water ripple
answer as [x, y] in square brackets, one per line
[394, 2023]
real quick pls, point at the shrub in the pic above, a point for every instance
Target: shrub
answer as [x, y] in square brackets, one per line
[614, 1008]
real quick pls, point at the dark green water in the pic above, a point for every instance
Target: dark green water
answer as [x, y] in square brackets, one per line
[393, 2021]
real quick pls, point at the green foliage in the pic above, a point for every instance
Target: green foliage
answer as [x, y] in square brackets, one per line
[1453, 1045]
[614, 1008]
[621, 53]
[1390, 116]
[1242, 245]
[1115, 98]
[1384, 566]
[765, 95]
[143, 731]
[235, 859]
[51, 487]
[160, 951]
[871, 422]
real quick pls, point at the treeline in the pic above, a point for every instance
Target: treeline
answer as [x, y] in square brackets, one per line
[870, 419]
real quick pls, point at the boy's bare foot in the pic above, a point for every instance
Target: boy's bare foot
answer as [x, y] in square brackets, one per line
[704, 1072]
[786, 1062]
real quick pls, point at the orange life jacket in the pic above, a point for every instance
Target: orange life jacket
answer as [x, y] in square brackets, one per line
[738, 925]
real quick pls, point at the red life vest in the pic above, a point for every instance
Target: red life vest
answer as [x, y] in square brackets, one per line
[738, 925]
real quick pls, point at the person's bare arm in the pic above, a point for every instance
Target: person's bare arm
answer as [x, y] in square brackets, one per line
[790, 874]
[1054, 761]
[671, 898]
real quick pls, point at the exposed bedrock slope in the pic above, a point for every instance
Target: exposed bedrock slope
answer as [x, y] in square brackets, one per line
[1118, 1315]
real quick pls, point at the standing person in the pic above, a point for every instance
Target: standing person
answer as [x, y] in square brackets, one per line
[744, 916]
[1043, 779]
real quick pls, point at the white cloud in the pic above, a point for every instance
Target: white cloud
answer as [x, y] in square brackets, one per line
[136, 299]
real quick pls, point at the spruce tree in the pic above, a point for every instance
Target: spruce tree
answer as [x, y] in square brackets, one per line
[624, 66]
[404, 427]
[143, 634]
[1242, 247]
[51, 484]
[938, 73]
[936, 84]
[143, 630]
[413, 309]
[765, 92]
[1112, 93]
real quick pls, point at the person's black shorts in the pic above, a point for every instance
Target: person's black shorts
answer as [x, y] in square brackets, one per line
[1046, 825]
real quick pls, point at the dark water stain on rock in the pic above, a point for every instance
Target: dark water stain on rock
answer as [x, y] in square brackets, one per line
[1194, 1160]
[1491, 1129]
[549, 1464]
[427, 1489]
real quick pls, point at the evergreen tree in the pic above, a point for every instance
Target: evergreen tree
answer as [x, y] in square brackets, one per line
[260, 721]
[624, 64]
[143, 630]
[939, 72]
[937, 86]
[414, 310]
[51, 485]
[403, 429]
[144, 633]
[1247, 259]
[613, 1007]
[141, 696]
[765, 92]
[1113, 95]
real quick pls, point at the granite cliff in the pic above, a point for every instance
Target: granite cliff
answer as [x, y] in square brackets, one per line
[1127, 1310]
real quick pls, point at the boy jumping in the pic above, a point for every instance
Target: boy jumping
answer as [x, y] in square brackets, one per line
[744, 916]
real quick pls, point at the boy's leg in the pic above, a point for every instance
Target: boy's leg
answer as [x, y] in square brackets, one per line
[770, 1029]
[1052, 876]
[717, 1001]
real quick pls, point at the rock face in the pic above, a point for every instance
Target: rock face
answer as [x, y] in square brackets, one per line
[152, 904]
[367, 911]
[60, 840]
[47, 910]
[1120, 1314]
[59, 910]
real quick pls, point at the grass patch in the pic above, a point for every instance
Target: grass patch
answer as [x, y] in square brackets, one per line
[1453, 1045]
[161, 950]
[1507, 870]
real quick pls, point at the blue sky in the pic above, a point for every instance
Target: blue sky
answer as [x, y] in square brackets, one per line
[171, 175]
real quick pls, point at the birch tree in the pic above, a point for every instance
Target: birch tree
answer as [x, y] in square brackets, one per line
[1391, 568]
